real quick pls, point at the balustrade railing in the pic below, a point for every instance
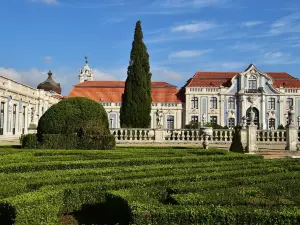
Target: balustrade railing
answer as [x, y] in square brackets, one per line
[271, 136]
[132, 134]
[177, 135]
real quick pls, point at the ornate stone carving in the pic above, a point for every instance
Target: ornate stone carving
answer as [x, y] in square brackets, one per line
[159, 116]
[252, 99]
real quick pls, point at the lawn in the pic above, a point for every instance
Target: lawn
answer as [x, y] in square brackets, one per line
[147, 186]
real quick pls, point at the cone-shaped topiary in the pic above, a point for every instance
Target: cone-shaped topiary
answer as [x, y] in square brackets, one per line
[136, 100]
[74, 116]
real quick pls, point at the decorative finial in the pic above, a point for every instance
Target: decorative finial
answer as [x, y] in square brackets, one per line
[49, 73]
[86, 59]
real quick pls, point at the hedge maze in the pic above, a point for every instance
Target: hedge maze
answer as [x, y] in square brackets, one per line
[146, 186]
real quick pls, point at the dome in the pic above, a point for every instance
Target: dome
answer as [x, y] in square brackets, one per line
[50, 85]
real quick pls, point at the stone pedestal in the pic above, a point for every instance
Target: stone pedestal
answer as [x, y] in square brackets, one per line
[243, 139]
[251, 139]
[32, 129]
[159, 135]
[291, 138]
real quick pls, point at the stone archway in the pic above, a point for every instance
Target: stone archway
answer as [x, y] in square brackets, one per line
[256, 116]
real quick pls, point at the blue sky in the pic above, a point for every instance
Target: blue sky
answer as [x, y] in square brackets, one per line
[182, 37]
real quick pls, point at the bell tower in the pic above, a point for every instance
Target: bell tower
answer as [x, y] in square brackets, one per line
[86, 74]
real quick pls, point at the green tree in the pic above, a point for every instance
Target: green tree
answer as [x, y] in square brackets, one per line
[136, 100]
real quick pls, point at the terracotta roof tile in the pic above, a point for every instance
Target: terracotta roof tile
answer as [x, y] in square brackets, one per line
[111, 91]
[216, 79]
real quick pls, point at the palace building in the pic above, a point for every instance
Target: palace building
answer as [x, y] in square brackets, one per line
[218, 97]
[222, 98]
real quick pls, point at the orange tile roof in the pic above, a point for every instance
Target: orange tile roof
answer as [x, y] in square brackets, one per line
[111, 91]
[216, 79]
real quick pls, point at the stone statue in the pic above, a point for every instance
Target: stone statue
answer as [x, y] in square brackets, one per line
[159, 115]
[291, 116]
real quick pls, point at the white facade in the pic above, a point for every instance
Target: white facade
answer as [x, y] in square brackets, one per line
[20, 106]
[171, 114]
[227, 105]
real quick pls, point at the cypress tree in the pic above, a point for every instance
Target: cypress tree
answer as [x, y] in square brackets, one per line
[136, 99]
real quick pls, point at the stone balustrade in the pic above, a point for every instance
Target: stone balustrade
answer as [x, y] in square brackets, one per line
[125, 135]
[271, 136]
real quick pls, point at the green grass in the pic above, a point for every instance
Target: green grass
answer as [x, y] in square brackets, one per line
[153, 185]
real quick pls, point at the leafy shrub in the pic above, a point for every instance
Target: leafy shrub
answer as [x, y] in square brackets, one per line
[72, 115]
[75, 123]
[72, 141]
[280, 127]
[28, 141]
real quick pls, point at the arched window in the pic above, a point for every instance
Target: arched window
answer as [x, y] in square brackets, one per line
[271, 103]
[289, 103]
[252, 83]
[271, 123]
[213, 103]
[194, 102]
[231, 103]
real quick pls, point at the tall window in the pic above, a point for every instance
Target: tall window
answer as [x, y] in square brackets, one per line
[271, 123]
[231, 123]
[213, 103]
[24, 121]
[231, 103]
[195, 120]
[252, 83]
[289, 103]
[112, 120]
[14, 118]
[272, 103]
[194, 102]
[213, 120]
[2, 118]
[170, 122]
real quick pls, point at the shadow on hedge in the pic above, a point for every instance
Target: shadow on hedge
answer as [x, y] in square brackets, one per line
[7, 214]
[112, 211]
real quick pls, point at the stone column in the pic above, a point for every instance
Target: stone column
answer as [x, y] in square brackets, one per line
[222, 112]
[291, 132]
[263, 112]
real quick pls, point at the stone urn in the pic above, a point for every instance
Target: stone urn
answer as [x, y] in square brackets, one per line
[151, 134]
[208, 131]
[251, 116]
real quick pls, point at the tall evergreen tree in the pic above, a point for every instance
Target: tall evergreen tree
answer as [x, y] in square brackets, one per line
[136, 100]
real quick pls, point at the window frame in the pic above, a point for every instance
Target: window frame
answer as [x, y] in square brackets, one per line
[213, 103]
[195, 102]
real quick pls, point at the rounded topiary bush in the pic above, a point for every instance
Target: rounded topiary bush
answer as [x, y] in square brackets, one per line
[75, 123]
[73, 115]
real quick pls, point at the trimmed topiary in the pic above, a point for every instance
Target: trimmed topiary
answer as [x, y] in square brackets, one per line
[75, 123]
[73, 115]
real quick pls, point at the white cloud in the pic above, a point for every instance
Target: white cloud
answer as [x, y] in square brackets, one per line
[190, 3]
[252, 23]
[288, 24]
[273, 55]
[194, 27]
[32, 77]
[101, 75]
[48, 2]
[188, 53]
[245, 47]
[48, 59]
[165, 74]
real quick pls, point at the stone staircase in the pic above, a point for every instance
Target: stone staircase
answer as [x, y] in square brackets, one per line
[276, 154]
[9, 140]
